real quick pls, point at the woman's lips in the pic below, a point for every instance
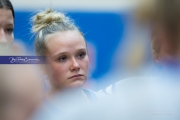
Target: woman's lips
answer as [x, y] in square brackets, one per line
[76, 76]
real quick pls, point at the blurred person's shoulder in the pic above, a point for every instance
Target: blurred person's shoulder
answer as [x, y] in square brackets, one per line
[126, 85]
[133, 81]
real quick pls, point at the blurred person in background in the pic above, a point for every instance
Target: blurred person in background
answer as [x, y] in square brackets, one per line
[154, 97]
[164, 18]
[7, 17]
[6, 23]
[20, 90]
[67, 61]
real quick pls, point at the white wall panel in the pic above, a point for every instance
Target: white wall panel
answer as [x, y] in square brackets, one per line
[85, 5]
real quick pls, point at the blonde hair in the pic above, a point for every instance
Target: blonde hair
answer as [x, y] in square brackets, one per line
[49, 22]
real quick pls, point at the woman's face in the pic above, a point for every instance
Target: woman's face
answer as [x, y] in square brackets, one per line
[6, 27]
[67, 59]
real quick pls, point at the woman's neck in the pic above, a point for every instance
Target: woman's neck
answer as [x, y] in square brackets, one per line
[77, 92]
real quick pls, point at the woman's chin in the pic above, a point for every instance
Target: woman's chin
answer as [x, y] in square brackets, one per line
[76, 84]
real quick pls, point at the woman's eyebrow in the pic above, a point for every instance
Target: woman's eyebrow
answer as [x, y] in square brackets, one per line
[58, 54]
[9, 24]
[81, 49]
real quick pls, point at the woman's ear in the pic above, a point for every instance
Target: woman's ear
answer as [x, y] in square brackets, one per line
[156, 56]
[155, 44]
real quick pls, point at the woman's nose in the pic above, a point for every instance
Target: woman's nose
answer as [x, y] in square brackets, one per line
[75, 65]
[3, 39]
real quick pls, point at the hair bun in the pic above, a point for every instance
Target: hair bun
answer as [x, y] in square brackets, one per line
[46, 18]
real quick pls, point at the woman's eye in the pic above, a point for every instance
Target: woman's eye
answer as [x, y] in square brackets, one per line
[9, 30]
[81, 55]
[62, 58]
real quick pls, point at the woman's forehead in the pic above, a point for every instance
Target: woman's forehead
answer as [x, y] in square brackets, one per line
[65, 38]
[6, 17]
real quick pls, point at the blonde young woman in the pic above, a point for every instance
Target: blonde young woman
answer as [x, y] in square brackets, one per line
[65, 50]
